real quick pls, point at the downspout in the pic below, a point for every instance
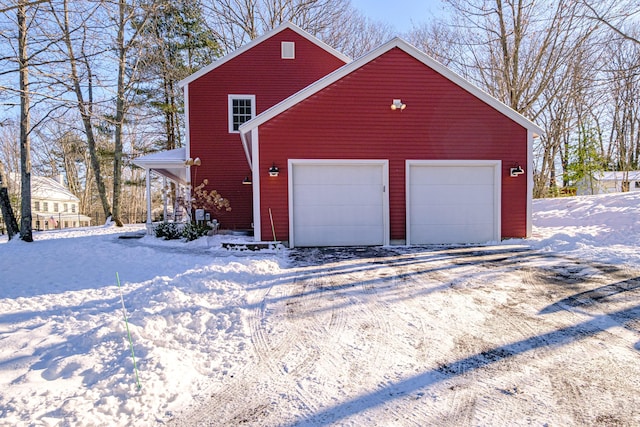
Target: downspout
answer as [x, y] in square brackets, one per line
[245, 146]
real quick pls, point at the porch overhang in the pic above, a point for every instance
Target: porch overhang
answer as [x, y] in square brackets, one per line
[170, 164]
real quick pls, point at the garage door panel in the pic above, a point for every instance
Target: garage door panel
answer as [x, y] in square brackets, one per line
[318, 195]
[339, 236]
[337, 215]
[452, 214]
[451, 194]
[443, 234]
[336, 174]
[456, 175]
[338, 204]
[452, 203]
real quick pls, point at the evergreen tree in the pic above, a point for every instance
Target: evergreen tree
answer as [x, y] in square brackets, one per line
[585, 160]
[176, 43]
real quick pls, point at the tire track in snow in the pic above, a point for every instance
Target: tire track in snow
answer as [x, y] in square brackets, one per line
[289, 329]
[339, 323]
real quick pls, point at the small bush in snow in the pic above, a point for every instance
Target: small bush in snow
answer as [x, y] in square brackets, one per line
[195, 231]
[168, 231]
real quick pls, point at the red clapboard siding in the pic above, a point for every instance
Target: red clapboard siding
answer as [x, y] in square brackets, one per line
[259, 71]
[352, 119]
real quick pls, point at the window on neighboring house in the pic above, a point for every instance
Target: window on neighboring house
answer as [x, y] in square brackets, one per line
[55, 207]
[66, 207]
[637, 185]
[73, 207]
[241, 109]
[45, 206]
[36, 205]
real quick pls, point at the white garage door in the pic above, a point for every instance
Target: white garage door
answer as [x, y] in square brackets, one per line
[453, 202]
[338, 204]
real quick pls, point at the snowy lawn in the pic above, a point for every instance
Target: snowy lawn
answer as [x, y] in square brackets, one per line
[527, 332]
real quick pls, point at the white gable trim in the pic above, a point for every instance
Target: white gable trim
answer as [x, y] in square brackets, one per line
[186, 124]
[256, 42]
[409, 49]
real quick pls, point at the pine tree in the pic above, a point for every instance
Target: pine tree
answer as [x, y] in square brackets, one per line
[585, 160]
[177, 43]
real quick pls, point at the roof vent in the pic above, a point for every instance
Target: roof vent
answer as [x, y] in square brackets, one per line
[288, 50]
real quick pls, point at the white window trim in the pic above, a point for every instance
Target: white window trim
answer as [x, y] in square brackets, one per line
[233, 97]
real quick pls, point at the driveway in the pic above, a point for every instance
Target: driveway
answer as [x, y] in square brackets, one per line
[501, 335]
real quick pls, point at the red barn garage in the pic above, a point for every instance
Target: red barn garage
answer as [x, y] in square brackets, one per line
[232, 90]
[392, 148]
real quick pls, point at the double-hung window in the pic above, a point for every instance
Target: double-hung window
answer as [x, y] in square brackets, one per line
[242, 108]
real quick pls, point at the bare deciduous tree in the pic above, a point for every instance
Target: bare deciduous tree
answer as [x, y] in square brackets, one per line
[623, 74]
[26, 232]
[354, 35]
[615, 15]
[516, 48]
[81, 78]
[236, 22]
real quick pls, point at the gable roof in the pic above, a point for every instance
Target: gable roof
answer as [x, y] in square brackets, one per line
[48, 188]
[358, 63]
[257, 41]
[45, 188]
[618, 176]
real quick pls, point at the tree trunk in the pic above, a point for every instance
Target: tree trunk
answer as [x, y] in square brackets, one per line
[26, 232]
[85, 112]
[5, 205]
[119, 119]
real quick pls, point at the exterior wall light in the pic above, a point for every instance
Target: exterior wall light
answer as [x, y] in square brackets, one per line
[274, 171]
[516, 171]
[193, 162]
[246, 181]
[398, 105]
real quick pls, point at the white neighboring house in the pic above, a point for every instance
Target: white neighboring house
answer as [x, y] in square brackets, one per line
[609, 182]
[53, 206]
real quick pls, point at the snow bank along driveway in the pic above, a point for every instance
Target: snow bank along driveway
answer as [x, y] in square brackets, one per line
[501, 335]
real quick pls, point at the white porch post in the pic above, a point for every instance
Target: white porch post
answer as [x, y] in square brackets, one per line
[164, 198]
[148, 179]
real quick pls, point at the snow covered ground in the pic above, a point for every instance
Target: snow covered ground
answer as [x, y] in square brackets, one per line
[544, 331]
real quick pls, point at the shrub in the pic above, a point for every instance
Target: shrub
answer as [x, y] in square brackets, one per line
[168, 230]
[195, 231]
